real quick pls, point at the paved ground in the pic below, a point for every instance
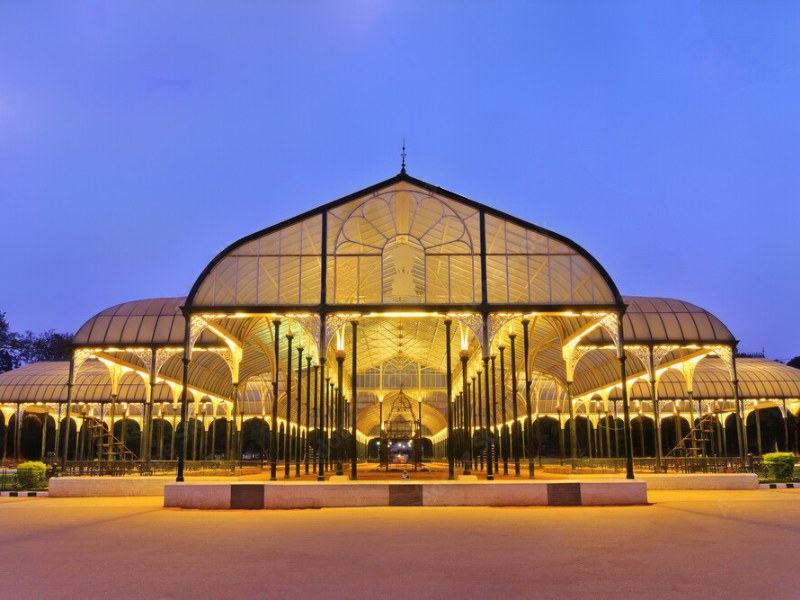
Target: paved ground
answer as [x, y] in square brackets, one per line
[686, 544]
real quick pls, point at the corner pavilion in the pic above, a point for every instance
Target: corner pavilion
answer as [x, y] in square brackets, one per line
[402, 318]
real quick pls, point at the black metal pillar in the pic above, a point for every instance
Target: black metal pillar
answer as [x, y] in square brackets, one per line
[70, 383]
[319, 409]
[308, 411]
[354, 403]
[184, 395]
[504, 437]
[273, 442]
[489, 464]
[467, 457]
[529, 428]
[625, 404]
[287, 438]
[514, 416]
[495, 439]
[451, 472]
[298, 440]
[339, 411]
[477, 404]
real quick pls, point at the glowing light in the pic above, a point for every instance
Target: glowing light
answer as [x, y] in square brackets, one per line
[340, 340]
[398, 314]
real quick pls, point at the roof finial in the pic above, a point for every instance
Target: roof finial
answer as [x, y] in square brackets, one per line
[403, 157]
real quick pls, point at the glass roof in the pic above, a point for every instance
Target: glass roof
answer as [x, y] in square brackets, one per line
[403, 242]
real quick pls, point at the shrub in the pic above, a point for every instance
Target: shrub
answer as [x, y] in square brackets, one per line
[780, 465]
[32, 475]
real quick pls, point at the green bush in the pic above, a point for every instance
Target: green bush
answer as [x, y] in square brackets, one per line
[780, 465]
[32, 475]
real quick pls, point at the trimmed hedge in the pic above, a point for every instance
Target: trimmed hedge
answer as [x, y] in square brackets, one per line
[780, 465]
[31, 475]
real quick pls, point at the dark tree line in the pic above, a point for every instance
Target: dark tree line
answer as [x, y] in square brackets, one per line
[17, 349]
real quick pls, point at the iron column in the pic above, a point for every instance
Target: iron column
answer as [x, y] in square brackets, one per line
[273, 442]
[504, 444]
[529, 436]
[515, 422]
[354, 403]
[451, 472]
[464, 355]
[489, 464]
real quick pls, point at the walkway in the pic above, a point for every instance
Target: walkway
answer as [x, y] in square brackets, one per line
[696, 544]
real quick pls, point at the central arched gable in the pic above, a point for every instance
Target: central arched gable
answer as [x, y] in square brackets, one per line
[403, 242]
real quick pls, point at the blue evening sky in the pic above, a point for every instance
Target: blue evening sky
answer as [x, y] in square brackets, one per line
[137, 139]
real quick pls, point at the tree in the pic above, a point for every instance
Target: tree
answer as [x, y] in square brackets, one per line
[49, 345]
[20, 349]
[795, 362]
[8, 346]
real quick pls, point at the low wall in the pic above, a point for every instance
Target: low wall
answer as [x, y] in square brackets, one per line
[82, 487]
[446, 493]
[697, 481]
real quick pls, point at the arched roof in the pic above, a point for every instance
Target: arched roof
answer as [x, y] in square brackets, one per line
[150, 322]
[759, 378]
[46, 382]
[402, 241]
[160, 322]
[650, 320]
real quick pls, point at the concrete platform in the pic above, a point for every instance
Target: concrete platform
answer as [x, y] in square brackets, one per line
[280, 495]
[108, 487]
[698, 481]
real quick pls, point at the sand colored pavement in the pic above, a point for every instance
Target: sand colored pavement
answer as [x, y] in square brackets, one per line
[689, 544]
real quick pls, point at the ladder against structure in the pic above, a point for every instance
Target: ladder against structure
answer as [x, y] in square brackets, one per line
[694, 443]
[110, 447]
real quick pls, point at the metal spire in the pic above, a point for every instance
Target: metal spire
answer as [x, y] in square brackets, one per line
[403, 157]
